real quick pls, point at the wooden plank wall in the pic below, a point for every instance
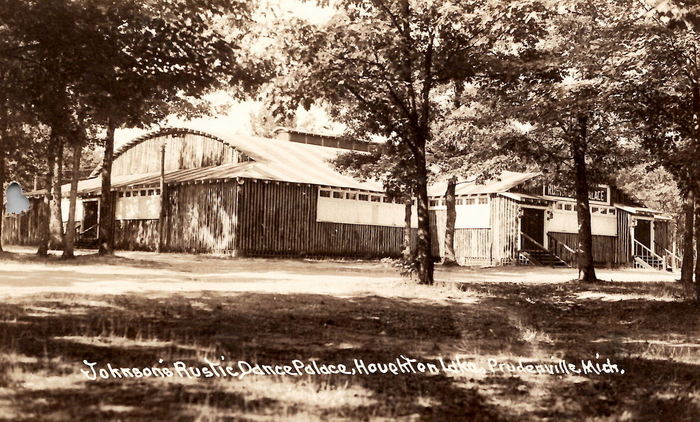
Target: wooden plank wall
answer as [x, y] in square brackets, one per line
[202, 217]
[623, 245]
[505, 228]
[22, 229]
[280, 219]
[662, 237]
[182, 152]
[604, 249]
[132, 235]
[472, 246]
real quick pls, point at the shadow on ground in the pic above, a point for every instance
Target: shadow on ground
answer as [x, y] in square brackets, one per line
[642, 327]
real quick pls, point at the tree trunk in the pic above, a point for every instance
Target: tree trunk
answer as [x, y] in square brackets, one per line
[586, 270]
[450, 202]
[69, 243]
[424, 250]
[106, 199]
[56, 219]
[406, 245]
[3, 134]
[697, 244]
[688, 230]
[44, 226]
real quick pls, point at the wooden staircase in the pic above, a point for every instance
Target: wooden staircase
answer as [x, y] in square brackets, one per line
[539, 255]
[543, 258]
[648, 259]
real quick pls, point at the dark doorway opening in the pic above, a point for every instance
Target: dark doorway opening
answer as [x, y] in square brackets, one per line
[642, 232]
[532, 225]
[89, 227]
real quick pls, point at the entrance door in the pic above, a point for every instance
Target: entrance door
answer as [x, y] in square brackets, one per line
[90, 219]
[532, 224]
[642, 232]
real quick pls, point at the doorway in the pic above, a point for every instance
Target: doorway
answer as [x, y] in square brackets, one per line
[89, 228]
[532, 225]
[642, 233]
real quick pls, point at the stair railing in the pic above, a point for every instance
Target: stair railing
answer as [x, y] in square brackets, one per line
[87, 230]
[671, 259]
[538, 244]
[646, 254]
[561, 250]
[541, 247]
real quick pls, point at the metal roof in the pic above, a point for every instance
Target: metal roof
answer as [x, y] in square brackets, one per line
[274, 159]
[502, 183]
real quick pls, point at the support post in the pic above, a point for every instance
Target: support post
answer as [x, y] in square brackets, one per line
[161, 216]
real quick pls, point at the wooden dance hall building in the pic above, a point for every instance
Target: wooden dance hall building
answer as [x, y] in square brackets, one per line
[250, 196]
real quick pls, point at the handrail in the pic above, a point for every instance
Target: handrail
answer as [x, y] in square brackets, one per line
[642, 251]
[678, 257]
[637, 242]
[88, 229]
[559, 242]
[533, 241]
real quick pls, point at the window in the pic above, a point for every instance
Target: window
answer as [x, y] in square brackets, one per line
[121, 194]
[376, 198]
[157, 191]
[433, 202]
[363, 197]
[337, 195]
[459, 201]
[604, 211]
[483, 201]
[595, 209]
[470, 201]
[128, 194]
[143, 193]
[150, 192]
[567, 207]
[325, 193]
[612, 211]
[387, 200]
[350, 195]
[560, 206]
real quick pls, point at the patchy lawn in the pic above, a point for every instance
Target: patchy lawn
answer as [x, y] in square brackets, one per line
[137, 309]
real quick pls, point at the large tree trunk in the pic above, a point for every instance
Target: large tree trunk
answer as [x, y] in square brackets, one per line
[697, 244]
[68, 247]
[3, 143]
[688, 230]
[450, 202]
[56, 216]
[406, 244]
[586, 270]
[106, 199]
[424, 248]
[44, 227]
[2, 183]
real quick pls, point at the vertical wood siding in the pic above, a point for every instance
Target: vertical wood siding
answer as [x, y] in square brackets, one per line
[22, 229]
[604, 249]
[136, 234]
[623, 245]
[280, 219]
[662, 237]
[505, 229]
[201, 217]
[182, 152]
[472, 246]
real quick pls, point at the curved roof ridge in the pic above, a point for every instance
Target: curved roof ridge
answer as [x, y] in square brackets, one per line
[161, 132]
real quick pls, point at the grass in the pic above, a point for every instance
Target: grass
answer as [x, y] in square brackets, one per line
[189, 308]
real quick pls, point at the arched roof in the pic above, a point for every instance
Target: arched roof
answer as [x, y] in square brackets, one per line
[273, 159]
[173, 131]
